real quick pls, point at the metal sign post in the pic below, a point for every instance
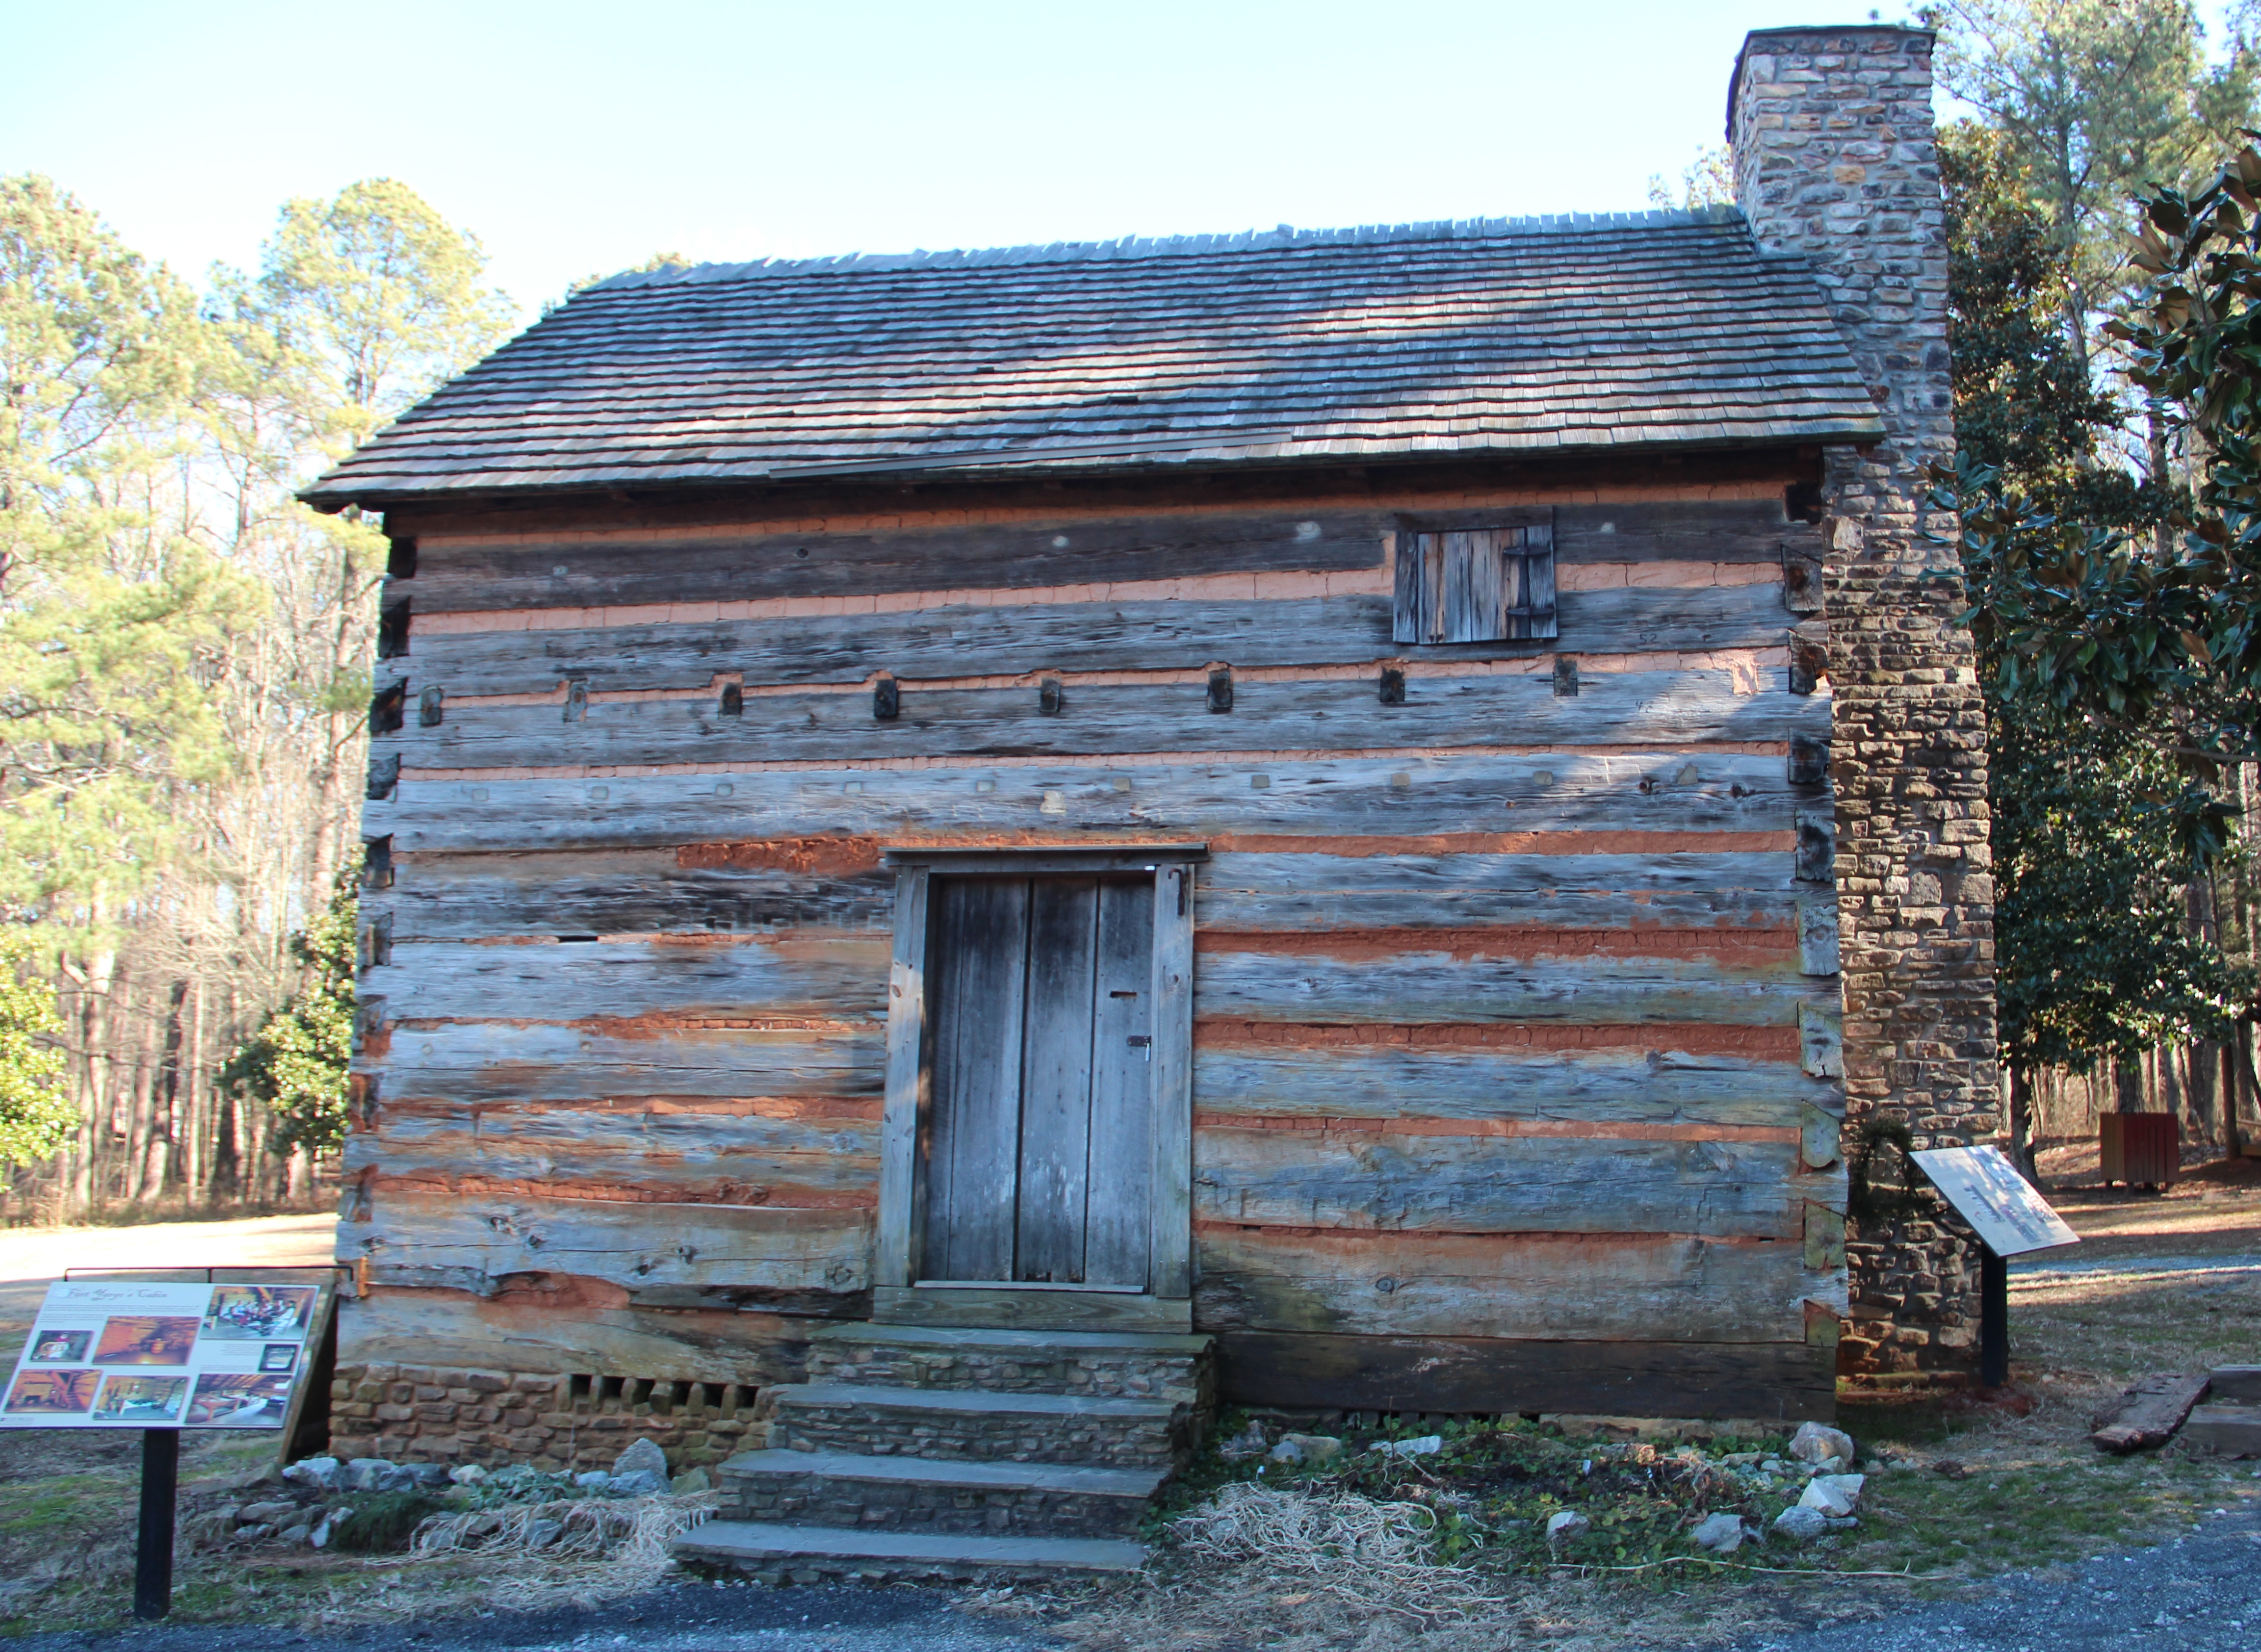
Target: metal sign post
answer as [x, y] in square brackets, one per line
[142, 1348]
[152, 1552]
[2011, 1218]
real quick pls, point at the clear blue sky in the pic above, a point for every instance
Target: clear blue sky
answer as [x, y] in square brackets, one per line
[577, 137]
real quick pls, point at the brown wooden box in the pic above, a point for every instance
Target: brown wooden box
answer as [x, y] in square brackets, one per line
[2140, 1147]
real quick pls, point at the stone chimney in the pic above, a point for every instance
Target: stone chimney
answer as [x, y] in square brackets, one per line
[1835, 164]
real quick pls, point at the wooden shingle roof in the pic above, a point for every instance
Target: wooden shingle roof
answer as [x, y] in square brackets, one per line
[1421, 341]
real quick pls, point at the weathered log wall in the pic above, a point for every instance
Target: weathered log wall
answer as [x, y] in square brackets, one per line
[1499, 1065]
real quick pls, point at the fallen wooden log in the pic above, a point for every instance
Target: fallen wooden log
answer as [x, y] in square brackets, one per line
[2147, 1414]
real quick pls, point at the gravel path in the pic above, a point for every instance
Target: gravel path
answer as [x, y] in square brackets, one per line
[687, 1618]
[2199, 1593]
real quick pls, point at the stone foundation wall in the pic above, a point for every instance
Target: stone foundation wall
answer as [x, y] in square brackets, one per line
[408, 1413]
[1835, 163]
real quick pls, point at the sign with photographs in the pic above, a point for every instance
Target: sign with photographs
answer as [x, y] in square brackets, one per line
[123, 1355]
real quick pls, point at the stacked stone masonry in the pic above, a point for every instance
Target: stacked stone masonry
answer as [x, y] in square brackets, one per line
[919, 1422]
[407, 1413]
[1835, 163]
[847, 1501]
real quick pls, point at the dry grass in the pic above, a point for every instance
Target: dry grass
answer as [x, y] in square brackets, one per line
[1371, 1556]
[1973, 1489]
[600, 1550]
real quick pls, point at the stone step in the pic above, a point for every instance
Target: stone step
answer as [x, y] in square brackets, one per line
[818, 1554]
[1124, 1363]
[911, 1494]
[972, 1424]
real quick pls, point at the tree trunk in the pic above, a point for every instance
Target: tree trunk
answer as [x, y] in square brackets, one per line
[2022, 1124]
[2128, 1085]
[2203, 1060]
[2242, 1087]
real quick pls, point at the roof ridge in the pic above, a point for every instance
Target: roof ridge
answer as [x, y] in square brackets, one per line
[1133, 247]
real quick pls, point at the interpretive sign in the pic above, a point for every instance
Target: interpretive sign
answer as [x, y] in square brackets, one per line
[1986, 1191]
[119, 1353]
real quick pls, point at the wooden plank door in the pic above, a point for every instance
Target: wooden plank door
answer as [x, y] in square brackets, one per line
[1039, 1149]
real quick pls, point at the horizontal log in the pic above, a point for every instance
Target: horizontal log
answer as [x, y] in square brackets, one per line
[660, 1254]
[1775, 1383]
[449, 1330]
[1718, 530]
[1634, 1086]
[959, 641]
[978, 1308]
[787, 1156]
[1412, 986]
[620, 892]
[822, 975]
[1636, 709]
[495, 1061]
[532, 573]
[1386, 1181]
[1573, 1287]
[809, 974]
[1293, 892]
[1410, 796]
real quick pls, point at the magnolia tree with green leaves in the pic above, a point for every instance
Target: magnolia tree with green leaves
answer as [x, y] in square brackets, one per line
[2158, 637]
[36, 1113]
[2097, 839]
[296, 1063]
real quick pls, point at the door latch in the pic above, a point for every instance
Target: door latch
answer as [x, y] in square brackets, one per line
[1142, 1044]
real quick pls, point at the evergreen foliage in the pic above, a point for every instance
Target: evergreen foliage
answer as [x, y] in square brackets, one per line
[36, 1113]
[296, 1062]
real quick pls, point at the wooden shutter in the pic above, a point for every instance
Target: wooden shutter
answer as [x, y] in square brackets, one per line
[1483, 584]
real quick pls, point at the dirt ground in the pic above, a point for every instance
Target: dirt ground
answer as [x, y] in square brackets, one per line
[1974, 1488]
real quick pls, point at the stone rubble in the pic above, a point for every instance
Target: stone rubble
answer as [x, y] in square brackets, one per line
[1720, 1533]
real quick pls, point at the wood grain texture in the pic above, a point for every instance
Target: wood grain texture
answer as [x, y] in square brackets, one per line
[684, 1255]
[1585, 1086]
[1636, 709]
[527, 1332]
[1414, 987]
[1370, 1180]
[1410, 796]
[472, 896]
[674, 1154]
[806, 973]
[1773, 1381]
[621, 892]
[470, 1062]
[1297, 892]
[1032, 1310]
[1174, 991]
[1058, 1063]
[1064, 636]
[1569, 1286]
[455, 578]
[910, 1094]
[1118, 1226]
[978, 960]
[1716, 530]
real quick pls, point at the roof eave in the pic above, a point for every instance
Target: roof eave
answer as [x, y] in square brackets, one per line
[328, 497]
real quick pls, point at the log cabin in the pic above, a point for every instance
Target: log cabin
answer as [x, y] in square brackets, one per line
[970, 853]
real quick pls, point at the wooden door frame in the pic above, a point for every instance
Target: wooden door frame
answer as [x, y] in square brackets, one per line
[910, 1084]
